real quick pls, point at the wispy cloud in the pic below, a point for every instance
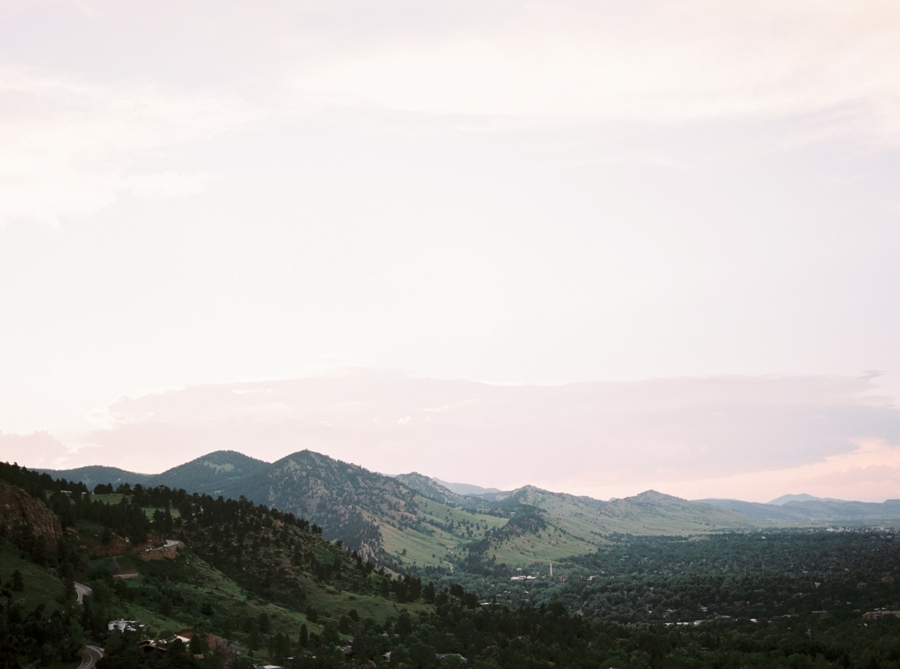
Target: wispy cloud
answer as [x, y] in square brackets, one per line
[70, 146]
[34, 450]
[662, 63]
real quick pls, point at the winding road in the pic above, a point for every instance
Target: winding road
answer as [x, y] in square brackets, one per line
[91, 653]
[82, 591]
[90, 656]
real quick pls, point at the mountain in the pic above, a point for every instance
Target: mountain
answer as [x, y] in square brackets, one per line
[789, 498]
[760, 511]
[207, 474]
[651, 513]
[92, 476]
[349, 502]
[433, 488]
[412, 521]
[594, 503]
[546, 526]
[811, 509]
[466, 490]
[211, 474]
[845, 512]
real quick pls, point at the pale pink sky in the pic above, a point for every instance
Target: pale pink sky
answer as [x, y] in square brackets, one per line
[749, 437]
[673, 195]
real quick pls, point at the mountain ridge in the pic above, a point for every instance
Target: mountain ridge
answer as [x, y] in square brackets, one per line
[411, 521]
[790, 498]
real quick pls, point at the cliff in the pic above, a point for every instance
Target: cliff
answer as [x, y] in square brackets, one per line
[18, 508]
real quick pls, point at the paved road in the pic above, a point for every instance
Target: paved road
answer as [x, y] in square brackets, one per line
[90, 656]
[82, 590]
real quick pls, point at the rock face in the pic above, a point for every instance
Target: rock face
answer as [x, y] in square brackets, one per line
[18, 508]
[167, 552]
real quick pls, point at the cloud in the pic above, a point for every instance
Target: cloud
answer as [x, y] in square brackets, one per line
[70, 147]
[660, 63]
[869, 472]
[35, 450]
[599, 438]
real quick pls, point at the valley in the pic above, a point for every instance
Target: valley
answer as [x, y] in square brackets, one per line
[313, 561]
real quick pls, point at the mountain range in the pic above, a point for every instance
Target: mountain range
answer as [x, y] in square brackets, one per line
[413, 520]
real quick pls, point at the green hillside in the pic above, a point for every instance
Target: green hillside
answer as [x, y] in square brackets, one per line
[378, 517]
[652, 513]
[546, 526]
[261, 579]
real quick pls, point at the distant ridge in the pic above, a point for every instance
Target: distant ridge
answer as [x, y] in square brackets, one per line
[432, 488]
[815, 510]
[788, 498]
[209, 473]
[466, 490]
[760, 511]
[92, 476]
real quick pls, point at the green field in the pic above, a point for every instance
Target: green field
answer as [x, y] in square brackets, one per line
[430, 542]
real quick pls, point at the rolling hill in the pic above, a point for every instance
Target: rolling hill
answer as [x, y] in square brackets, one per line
[760, 511]
[210, 474]
[788, 498]
[239, 571]
[207, 474]
[92, 476]
[818, 511]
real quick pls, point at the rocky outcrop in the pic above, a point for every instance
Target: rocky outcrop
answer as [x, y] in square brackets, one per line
[164, 552]
[17, 509]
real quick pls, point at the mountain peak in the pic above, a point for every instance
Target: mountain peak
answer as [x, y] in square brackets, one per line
[653, 496]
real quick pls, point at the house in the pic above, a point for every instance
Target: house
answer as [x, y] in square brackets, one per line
[877, 614]
[126, 625]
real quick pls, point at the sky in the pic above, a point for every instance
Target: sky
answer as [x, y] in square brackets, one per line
[595, 247]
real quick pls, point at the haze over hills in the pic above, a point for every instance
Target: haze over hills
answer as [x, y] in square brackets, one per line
[466, 490]
[815, 510]
[787, 498]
